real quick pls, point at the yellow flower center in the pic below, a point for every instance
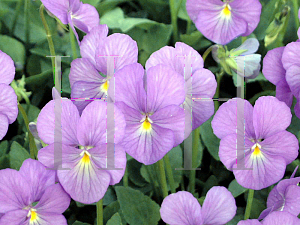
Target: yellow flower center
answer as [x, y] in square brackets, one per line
[256, 149]
[33, 215]
[226, 11]
[85, 157]
[104, 87]
[146, 124]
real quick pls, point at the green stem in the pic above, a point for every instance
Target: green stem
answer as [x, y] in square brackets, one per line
[173, 19]
[73, 44]
[296, 8]
[162, 177]
[244, 39]
[49, 38]
[217, 94]
[192, 183]
[152, 180]
[27, 20]
[17, 13]
[249, 204]
[207, 51]
[188, 26]
[100, 212]
[32, 146]
[170, 174]
[125, 178]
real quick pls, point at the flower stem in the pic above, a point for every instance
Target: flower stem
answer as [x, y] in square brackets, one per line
[170, 173]
[249, 204]
[296, 8]
[173, 19]
[217, 94]
[49, 38]
[188, 26]
[27, 21]
[192, 183]
[162, 177]
[73, 44]
[207, 51]
[17, 13]
[244, 39]
[125, 178]
[100, 212]
[32, 146]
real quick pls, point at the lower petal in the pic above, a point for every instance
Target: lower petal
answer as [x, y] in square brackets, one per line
[51, 219]
[14, 217]
[249, 222]
[279, 218]
[3, 125]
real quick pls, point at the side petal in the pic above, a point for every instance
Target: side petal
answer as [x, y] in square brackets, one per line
[69, 120]
[86, 18]
[91, 41]
[251, 45]
[51, 219]
[284, 93]
[272, 65]
[58, 8]
[251, 65]
[279, 218]
[120, 45]
[284, 144]
[14, 217]
[270, 116]
[181, 208]
[14, 191]
[54, 200]
[7, 70]
[93, 132]
[82, 69]
[227, 120]
[292, 198]
[38, 177]
[249, 222]
[164, 87]
[3, 125]
[8, 102]
[293, 79]
[219, 206]
[297, 108]
[290, 55]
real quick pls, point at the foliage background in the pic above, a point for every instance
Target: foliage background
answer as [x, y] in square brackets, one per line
[147, 22]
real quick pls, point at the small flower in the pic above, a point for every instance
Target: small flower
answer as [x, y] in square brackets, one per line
[30, 196]
[84, 148]
[74, 13]
[223, 21]
[150, 104]
[285, 196]
[267, 148]
[8, 97]
[229, 59]
[182, 208]
[274, 218]
[85, 80]
[200, 85]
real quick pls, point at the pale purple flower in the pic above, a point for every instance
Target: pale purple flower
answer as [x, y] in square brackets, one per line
[223, 21]
[290, 61]
[74, 13]
[267, 148]
[84, 148]
[30, 196]
[8, 97]
[285, 196]
[182, 208]
[85, 78]
[200, 86]
[155, 121]
[274, 218]
[274, 72]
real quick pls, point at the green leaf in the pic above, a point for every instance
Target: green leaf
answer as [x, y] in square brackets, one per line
[108, 5]
[138, 209]
[238, 216]
[176, 159]
[4, 162]
[91, 2]
[115, 220]
[17, 155]
[210, 139]
[211, 181]
[14, 49]
[80, 223]
[236, 189]
[195, 40]
[134, 175]
[3, 148]
[112, 209]
[66, 82]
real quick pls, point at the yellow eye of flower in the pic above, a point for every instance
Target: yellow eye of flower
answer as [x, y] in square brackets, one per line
[146, 125]
[104, 87]
[226, 11]
[33, 216]
[85, 158]
[256, 149]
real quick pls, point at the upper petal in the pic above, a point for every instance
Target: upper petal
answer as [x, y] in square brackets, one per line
[293, 79]
[7, 70]
[251, 45]
[181, 208]
[219, 206]
[249, 222]
[270, 116]
[8, 102]
[58, 8]
[164, 87]
[3, 125]
[284, 93]
[279, 218]
[290, 55]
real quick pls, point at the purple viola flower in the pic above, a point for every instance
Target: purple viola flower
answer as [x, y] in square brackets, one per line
[74, 13]
[30, 196]
[268, 147]
[84, 148]
[274, 218]
[200, 85]
[223, 21]
[182, 208]
[292, 66]
[8, 97]
[285, 196]
[274, 72]
[85, 78]
[150, 103]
